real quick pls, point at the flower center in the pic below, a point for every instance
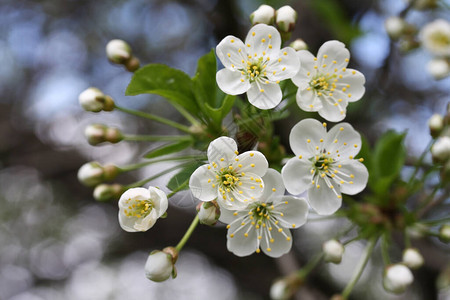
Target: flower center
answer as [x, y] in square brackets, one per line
[441, 39]
[138, 208]
[322, 83]
[255, 69]
[227, 179]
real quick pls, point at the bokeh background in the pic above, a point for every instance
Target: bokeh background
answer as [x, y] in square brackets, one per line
[56, 242]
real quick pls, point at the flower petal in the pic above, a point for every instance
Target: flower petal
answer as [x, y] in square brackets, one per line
[295, 211]
[264, 96]
[307, 63]
[232, 82]
[222, 147]
[199, 185]
[356, 173]
[240, 244]
[227, 215]
[352, 82]
[305, 136]
[144, 224]
[296, 175]
[228, 52]
[263, 39]
[127, 223]
[285, 65]
[307, 100]
[281, 242]
[251, 161]
[138, 193]
[332, 110]
[343, 142]
[332, 51]
[273, 186]
[159, 199]
[324, 199]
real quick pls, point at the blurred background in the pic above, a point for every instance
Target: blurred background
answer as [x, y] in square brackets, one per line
[56, 242]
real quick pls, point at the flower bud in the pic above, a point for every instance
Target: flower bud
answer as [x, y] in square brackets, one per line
[439, 68]
[436, 124]
[132, 64]
[93, 173]
[412, 258]
[285, 287]
[118, 51]
[265, 14]
[444, 233]
[441, 149]
[407, 44]
[107, 192]
[333, 251]
[98, 133]
[395, 27]
[298, 45]
[93, 99]
[160, 265]
[423, 4]
[417, 230]
[208, 213]
[397, 278]
[286, 17]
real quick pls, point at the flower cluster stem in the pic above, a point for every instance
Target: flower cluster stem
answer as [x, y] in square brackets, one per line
[188, 234]
[144, 181]
[156, 138]
[303, 272]
[154, 161]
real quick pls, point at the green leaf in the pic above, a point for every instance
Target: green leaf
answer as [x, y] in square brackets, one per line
[217, 114]
[162, 80]
[183, 176]
[168, 149]
[205, 80]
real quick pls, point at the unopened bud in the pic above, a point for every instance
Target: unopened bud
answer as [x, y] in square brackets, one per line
[395, 27]
[444, 233]
[423, 4]
[208, 213]
[397, 278]
[285, 287]
[333, 251]
[298, 45]
[412, 258]
[417, 230]
[436, 124]
[441, 149]
[93, 173]
[265, 14]
[160, 265]
[98, 133]
[118, 51]
[439, 68]
[286, 17]
[107, 192]
[93, 99]
[132, 64]
[408, 44]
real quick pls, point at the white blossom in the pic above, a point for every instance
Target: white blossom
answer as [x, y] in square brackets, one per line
[286, 17]
[435, 37]
[159, 266]
[256, 67]
[265, 223]
[325, 84]
[412, 258]
[324, 164]
[233, 178]
[397, 278]
[333, 251]
[139, 208]
[265, 14]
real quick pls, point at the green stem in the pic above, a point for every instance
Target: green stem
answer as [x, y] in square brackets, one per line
[407, 239]
[154, 118]
[385, 250]
[419, 161]
[360, 268]
[144, 181]
[303, 272]
[146, 163]
[351, 240]
[185, 114]
[179, 188]
[188, 234]
[156, 138]
[433, 222]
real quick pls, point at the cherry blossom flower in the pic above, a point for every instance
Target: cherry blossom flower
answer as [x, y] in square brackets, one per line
[435, 37]
[325, 84]
[265, 223]
[139, 208]
[233, 178]
[324, 164]
[256, 67]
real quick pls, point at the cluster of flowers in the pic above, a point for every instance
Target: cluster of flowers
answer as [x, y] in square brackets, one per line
[433, 36]
[440, 151]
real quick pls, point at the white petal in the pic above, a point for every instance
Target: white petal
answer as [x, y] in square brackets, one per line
[281, 244]
[273, 186]
[239, 244]
[307, 64]
[251, 161]
[295, 210]
[226, 215]
[134, 194]
[305, 136]
[127, 223]
[228, 52]
[232, 82]
[334, 50]
[343, 142]
[360, 177]
[307, 100]
[222, 147]
[324, 200]
[144, 224]
[159, 200]
[199, 185]
[285, 65]
[353, 82]
[332, 110]
[264, 96]
[296, 175]
[257, 35]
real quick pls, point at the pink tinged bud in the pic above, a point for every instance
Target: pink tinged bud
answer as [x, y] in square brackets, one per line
[444, 233]
[333, 251]
[160, 266]
[118, 51]
[208, 213]
[265, 14]
[412, 258]
[298, 45]
[286, 17]
[397, 278]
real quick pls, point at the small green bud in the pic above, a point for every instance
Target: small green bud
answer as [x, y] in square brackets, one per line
[93, 99]
[99, 133]
[208, 212]
[298, 45]
[107, 192]
[118, 51]
[265, 14]
[286, 17]
[444, 233]
[93, 173]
